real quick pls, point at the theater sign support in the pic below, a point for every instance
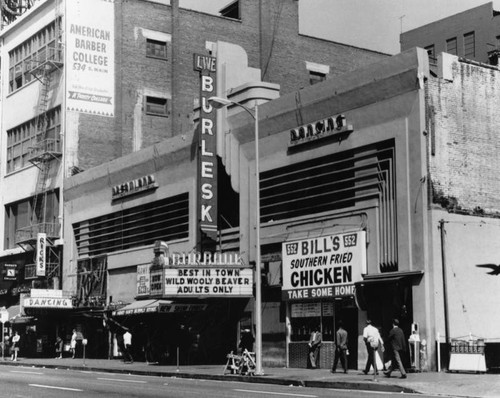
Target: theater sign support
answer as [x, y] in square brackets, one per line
[323, 267]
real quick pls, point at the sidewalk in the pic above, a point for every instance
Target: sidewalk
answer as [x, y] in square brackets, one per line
[445, 384]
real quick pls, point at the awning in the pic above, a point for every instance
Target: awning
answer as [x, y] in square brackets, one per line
[372, 284]
[389, 277]
[16, 316]
[156, 306]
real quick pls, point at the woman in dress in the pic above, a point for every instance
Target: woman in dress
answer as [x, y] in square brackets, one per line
[15, 345]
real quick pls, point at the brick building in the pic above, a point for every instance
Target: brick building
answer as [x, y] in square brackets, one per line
[472, 34]
[87, 82]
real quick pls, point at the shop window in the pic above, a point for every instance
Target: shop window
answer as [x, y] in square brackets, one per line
[469, 45]
[156, 106]
[156, 49]
[304, 317]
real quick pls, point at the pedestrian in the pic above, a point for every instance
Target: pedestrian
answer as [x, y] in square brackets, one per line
[127, 344]
[372, 339]
[14, 348]
[341, 341]
[396, 341]
[315, 341]
[59, 347]
[72, 344]
[246, 341]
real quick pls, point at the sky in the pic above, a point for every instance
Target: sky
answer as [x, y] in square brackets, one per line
[371, 24]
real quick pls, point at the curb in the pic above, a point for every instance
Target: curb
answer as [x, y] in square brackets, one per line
[390, 388]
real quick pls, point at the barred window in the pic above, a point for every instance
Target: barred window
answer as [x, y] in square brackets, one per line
[451, 46]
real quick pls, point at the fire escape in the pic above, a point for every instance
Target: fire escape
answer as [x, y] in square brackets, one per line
[46, 155]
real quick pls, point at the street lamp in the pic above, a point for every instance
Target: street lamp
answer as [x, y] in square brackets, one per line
[217, 103]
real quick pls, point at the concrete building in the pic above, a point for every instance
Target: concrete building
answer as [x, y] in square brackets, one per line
[473, 34]
[84, 83]
[378, 200]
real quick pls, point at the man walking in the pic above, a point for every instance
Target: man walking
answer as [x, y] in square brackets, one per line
[372, 339]
[397, 343]
[127, 343]
[341, 338]
[314, 343]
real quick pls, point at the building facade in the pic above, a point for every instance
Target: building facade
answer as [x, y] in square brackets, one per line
[378, 200]
[473, 34]
[88, 82]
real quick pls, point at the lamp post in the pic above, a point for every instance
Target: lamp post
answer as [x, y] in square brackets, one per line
[217, 103]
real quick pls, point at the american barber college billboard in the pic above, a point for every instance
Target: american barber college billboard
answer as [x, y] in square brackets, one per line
[326, 266]
[90, 56]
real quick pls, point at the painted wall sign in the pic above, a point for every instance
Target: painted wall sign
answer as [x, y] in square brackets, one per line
[46, 293]
[133, 187]
[41, 245]
[90, 56]
[208, 282]
[318, 130]
[207, 212]
[327, 266]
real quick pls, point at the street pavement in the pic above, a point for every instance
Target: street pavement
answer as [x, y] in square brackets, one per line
[433, 383]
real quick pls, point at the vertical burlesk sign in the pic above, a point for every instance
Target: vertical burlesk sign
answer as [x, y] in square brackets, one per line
[41, 244]
[207, 185]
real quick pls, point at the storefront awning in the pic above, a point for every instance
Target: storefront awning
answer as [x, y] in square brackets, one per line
[16, 316]
[155, 306]
[389, 277]
[372, 284]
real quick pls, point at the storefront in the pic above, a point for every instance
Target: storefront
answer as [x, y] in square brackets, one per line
[318, 284]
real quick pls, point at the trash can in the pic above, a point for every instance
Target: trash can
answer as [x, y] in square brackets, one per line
[414, 344]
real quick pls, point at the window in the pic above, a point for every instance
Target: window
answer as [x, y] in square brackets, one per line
[156, 49]
[37, 50]
[469, 45]
[166, 219]
[232, 10]
[451, 46]
[156, 106]
[316, 77]
[431, 52]
[20, 216]
[21, 140]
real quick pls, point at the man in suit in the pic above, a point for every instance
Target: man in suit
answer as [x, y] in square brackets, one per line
[397, 342]
[314, 343]
[340, 348]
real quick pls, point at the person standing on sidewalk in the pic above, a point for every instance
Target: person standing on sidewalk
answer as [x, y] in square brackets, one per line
[127, 343]
[372, 339]
[15, 345]
[314, 344]
[396, 340]
[341, 339]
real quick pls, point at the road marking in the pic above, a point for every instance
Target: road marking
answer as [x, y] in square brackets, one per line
[26, 372]
[276, 393]
[54, 387]
[126, 381]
